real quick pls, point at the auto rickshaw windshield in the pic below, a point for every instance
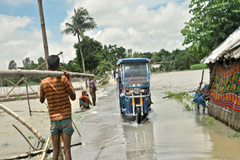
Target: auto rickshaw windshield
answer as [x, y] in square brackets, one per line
[136, 74]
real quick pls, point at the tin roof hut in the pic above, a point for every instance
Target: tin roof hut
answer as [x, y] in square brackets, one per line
[224, 86]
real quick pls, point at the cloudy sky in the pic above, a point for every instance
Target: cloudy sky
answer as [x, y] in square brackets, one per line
[140, 25]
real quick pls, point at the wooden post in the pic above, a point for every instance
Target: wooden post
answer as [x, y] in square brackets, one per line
[12, 88]
[42, 156]
[44, 35]
[29, 107]
[76, 129]
[10, 82]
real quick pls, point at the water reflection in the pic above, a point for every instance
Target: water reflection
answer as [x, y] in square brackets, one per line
[222, 137]
[139, 140]
[176, 134]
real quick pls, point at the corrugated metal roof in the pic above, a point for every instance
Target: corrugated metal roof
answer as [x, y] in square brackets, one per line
[227, 49]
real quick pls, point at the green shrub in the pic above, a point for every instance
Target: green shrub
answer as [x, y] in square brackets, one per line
[236, 135]
[187, 107]
[198, 66]
[105, 81]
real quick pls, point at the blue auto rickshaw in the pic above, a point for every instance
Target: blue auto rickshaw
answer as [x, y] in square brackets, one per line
[134, 87]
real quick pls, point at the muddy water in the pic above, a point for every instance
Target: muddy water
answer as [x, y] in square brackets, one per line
[170, 132]
[11, 141]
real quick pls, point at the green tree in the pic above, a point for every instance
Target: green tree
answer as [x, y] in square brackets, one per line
[212, 22]
[26, 63]
[81, 22]
[162, 55]
[116, 53]
[92, 51]
[12, 65]
[103, 66]
[142, 55]
[182, 59]
[41, 61]
[73, 66]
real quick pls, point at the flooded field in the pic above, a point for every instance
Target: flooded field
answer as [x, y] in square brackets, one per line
[169, 132]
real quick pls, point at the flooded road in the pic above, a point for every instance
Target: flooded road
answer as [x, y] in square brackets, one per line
[169, 132]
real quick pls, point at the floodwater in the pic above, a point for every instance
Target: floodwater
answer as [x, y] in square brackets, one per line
[169, 132]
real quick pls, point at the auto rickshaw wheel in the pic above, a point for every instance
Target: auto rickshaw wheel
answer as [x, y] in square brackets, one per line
[139, 115]
[121, 110]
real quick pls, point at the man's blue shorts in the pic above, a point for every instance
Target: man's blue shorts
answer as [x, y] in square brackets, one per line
[64, 125]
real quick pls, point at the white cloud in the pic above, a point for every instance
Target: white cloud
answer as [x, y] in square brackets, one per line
[20, 39]
[15, 42]
[31, 45]
[9, 26]
[135, 24]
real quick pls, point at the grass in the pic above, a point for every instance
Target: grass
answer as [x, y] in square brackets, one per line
[178, 96]
[18, 97]
[5, 144]
[236, 135]
[187, 107]
[210, 120]
[198, 66]
[207, 120]
[105, 81]
[184, 98]
[29, 83]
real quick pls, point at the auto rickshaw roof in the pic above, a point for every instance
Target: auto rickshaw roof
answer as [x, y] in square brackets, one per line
[128, 60]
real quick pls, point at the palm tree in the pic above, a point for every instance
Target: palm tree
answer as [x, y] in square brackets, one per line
[81, 22]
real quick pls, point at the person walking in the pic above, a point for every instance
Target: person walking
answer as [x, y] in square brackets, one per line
[92, 91]
[57, 91]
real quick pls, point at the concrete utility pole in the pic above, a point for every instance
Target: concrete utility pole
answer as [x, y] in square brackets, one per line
[44, 35]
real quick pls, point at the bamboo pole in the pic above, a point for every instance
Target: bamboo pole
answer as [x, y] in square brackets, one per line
[12, 89]
[38, 111]
[44, 35]
[76, 129]
[29, 107]
[22, 94]
[34, 153]
[20, 98]
[42, 156]
[24, 122]
[10, 82]
[38, 73]
[23, 136]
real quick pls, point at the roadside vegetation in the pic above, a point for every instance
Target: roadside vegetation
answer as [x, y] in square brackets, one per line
[189, 105]
[184, 98]
[198, 66]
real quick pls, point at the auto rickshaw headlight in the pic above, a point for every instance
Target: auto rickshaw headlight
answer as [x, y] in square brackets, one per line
[136, 90]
